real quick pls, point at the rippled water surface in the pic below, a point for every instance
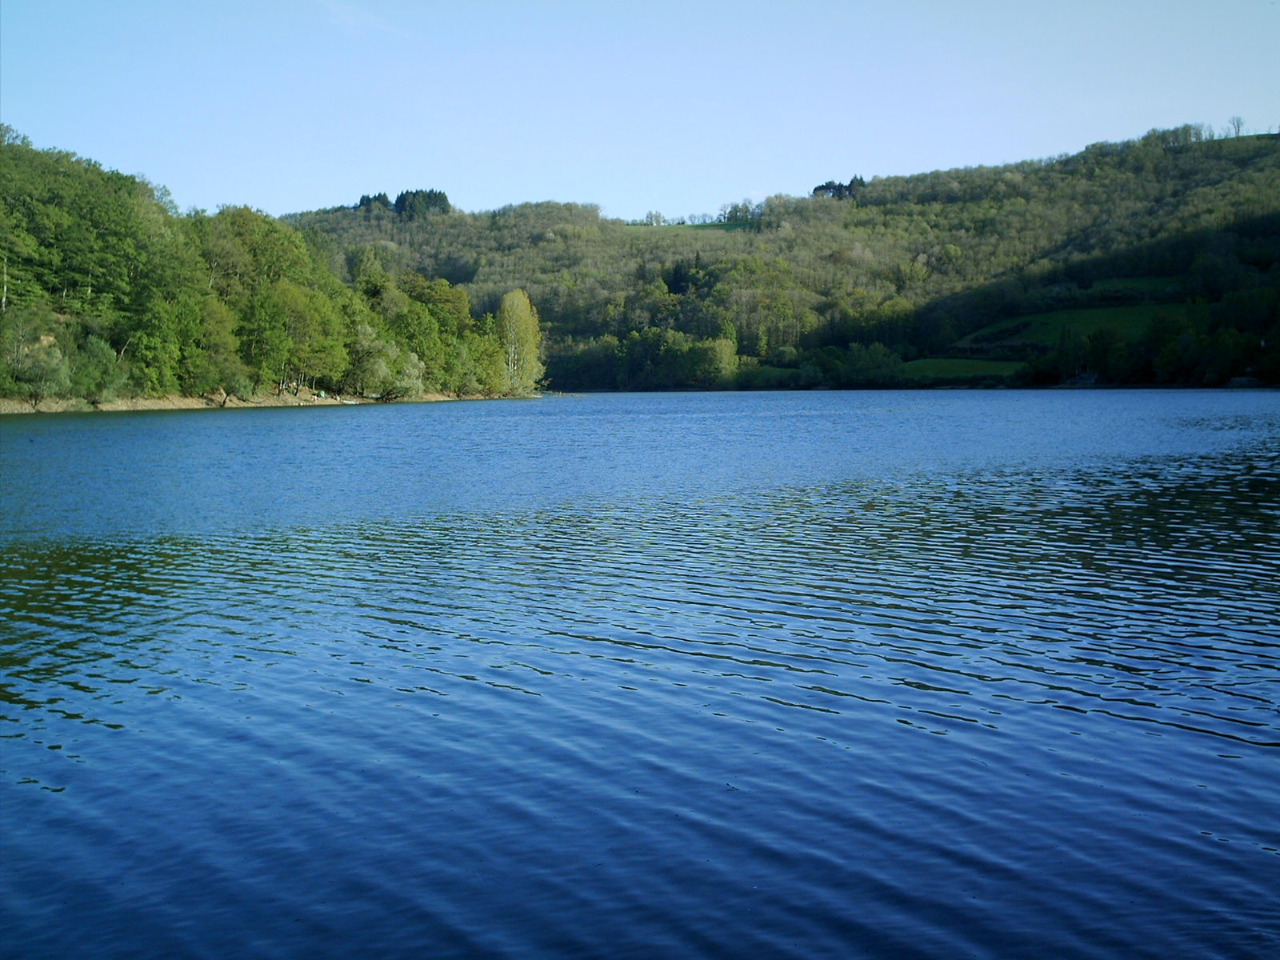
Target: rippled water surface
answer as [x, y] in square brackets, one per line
[765, 675]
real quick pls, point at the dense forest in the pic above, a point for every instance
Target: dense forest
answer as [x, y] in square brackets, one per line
[108, 292]
[1156, 260]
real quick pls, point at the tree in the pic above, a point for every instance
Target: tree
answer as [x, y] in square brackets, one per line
[412, 204]
[417, 327]
[379, 368]
[32, 364]
[920, 264]
[450, 305]
[264, 342]
[521, 340]
[210, 352]
[840, 191]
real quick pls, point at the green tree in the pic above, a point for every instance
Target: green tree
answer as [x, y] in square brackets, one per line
[520, 340]
[417, 328]
[96, 373]
[449, 304]
[211, 355]
[380, 368]
[32, 364]
[418, 203]
[263, 333]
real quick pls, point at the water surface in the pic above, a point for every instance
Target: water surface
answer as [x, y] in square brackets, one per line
[812, 675]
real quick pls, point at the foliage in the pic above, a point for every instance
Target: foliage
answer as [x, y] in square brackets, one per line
[947, 370]
[107, 291]
[34, 364]
[921, 265]
[1156, 260]
[521, 342]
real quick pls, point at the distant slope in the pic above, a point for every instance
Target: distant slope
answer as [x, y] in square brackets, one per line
[1151, 261]
[918, 264]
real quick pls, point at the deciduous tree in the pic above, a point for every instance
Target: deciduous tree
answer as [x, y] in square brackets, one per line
[521, 342]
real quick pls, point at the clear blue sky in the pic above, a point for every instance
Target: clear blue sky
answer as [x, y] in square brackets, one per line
[680, 107]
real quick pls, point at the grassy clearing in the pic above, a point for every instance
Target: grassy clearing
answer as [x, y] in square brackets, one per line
[1044, 329]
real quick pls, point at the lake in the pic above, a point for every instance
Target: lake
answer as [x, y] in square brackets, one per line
[850, 675]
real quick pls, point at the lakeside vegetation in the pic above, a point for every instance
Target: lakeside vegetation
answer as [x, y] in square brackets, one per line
[109, 292]
[1156, 260]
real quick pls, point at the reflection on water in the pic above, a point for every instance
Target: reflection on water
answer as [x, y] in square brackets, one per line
[981, 704]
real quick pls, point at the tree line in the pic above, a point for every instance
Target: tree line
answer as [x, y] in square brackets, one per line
[108, 291]
[848, 286]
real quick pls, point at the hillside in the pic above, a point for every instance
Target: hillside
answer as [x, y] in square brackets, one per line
[1151, 261]
[799, 291]
[109, 293]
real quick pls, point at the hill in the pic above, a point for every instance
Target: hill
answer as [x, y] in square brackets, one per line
[109, 293]
[799, 291]
[1156, 260]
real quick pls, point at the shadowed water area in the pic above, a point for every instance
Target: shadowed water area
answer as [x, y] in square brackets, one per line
[763, 675]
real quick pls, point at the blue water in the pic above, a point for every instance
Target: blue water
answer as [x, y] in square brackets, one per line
[942, 674]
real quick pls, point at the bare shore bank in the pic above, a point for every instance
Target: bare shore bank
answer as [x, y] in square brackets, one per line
[304, 398]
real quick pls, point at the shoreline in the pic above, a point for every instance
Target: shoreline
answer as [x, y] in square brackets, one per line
[304, 398]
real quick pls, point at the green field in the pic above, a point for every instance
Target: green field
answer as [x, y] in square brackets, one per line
[1045, 329]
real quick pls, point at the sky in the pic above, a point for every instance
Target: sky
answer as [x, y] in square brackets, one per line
[674, 107]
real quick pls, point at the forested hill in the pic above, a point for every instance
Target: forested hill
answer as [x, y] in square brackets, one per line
[1152, 260]
[108, 292]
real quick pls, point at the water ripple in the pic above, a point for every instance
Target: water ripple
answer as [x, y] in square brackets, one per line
[955, 712]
